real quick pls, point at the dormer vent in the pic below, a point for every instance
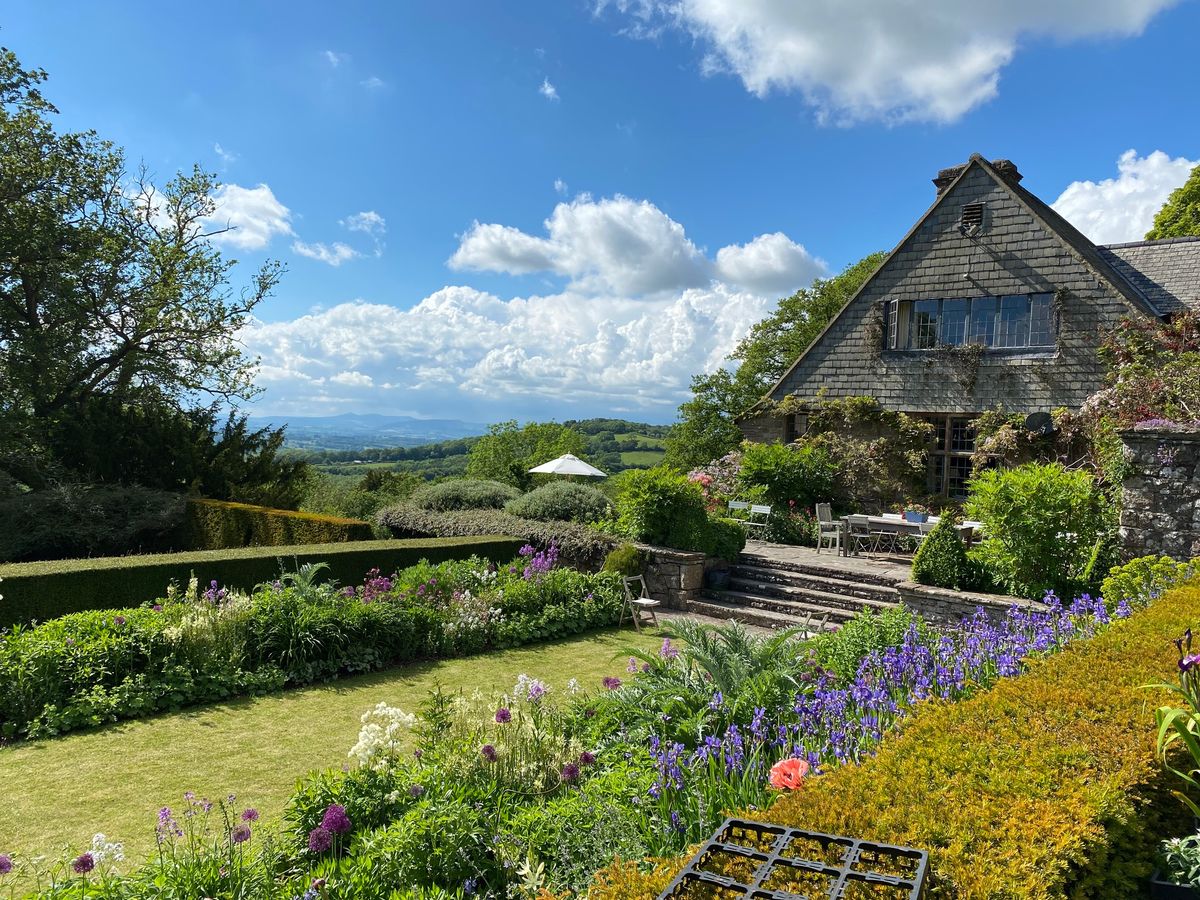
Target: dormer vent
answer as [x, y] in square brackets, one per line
[970, 220]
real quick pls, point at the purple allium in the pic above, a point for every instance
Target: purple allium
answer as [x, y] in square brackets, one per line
[240, 834]
[157, 607]
[6, 864]
[586, 758]
[335, 819]
[416, 791]
[320, 839]
[250, 815]
[83, 863]
[488, 752]
[611, 682]
[503, 715]
[570, 773]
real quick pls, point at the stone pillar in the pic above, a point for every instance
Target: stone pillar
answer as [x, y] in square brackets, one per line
[673, 576]
[1160, 502]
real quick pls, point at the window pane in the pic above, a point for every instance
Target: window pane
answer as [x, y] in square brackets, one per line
[983, 322]
[1012, 329]
[962, 436]
[937, 474]
[960, 472]
[1041, 321]
[889, 324]
[922, 329]
[953, 325]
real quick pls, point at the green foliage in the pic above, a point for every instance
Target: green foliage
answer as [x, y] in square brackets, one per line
[788, 475]
[1145, 576]
[73, 520]
[1180, 214]
[339, 496]
[114, 300]
[1153, 369]
[1041, 523]
[723, 538]
[38, 591]
[793, 525]
[941, 559]
[578, 545]
[466, 493]
[663, 508]
[1072, 741]
[566, 501]
[216, 525]
[508, 451]
[93, 667]
[842, 651]
[706, 428]
[625, 560]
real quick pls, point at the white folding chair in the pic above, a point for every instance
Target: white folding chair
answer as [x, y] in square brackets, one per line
[759, 514]
[639, 604]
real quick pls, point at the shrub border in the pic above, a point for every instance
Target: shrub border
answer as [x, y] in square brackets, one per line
[37, 591]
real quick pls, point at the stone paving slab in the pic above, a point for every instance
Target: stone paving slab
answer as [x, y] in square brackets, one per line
[879, 567]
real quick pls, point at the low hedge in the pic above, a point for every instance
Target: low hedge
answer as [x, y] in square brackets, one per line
[219, 525]
[1045, 786]
[38, 591]
[578, 545]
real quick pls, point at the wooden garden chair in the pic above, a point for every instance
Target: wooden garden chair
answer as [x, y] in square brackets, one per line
[638, 604]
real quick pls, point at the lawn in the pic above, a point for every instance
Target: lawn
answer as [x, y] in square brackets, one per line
[642, 457]
[60, 792]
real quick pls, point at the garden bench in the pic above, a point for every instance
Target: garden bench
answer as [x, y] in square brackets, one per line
[753, 510]
[639, 604]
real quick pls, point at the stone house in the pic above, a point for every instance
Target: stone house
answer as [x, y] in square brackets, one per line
[991, 300]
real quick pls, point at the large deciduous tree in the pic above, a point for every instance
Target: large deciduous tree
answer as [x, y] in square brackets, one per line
[111, 294]
[508, 451]
[706, 429]
[1180, 215]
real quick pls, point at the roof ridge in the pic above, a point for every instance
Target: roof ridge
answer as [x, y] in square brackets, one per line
[1186, 239]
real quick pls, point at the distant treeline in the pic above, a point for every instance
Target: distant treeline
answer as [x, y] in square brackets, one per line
[602, 435]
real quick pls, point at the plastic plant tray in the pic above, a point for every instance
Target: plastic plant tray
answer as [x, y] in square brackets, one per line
[757, 861]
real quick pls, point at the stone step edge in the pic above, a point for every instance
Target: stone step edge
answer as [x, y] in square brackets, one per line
[870, 595]
[832, 574]
[748, 615]
[783, 606]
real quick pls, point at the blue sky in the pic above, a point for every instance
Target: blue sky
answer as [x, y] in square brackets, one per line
[407, 161]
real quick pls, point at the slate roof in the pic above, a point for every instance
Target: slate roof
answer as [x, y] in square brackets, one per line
[1166, 272]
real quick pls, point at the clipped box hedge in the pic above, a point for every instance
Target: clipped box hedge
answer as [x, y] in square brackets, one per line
[1046, 786]
[37, 591]
[218, 525]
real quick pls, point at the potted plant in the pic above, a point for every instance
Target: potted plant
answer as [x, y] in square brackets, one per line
[1178, 875]
[915, 513]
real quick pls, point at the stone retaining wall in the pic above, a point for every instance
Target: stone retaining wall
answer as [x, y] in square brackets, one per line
[1160, 508]
[673, 576]
[950, 606]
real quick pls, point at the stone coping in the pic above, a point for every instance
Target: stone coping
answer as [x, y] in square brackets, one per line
[967, 598]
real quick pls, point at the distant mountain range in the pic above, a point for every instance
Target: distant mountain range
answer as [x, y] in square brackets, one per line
[353, 431]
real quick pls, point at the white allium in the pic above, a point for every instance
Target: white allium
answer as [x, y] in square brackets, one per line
[104, 849]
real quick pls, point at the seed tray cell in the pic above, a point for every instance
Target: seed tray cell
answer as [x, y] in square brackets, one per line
[747, 860]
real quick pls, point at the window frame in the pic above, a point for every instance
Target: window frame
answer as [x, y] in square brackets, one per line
[904, 331]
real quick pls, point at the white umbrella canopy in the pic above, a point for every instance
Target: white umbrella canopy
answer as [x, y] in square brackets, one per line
[568, 464]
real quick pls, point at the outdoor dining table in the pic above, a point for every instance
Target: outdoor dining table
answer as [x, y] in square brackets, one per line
[897, 524]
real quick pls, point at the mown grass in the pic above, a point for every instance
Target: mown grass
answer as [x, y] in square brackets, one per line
[58, 793]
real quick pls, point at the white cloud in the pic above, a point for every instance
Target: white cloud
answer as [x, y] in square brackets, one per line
[547, 90]
[334, 254]
[368, 222]
[560, 187]
[1122, 208]
[334, 58]
[225, 156]
[878, 59]
[373, 83]
[643, 311]
[620, 245]
[769, 263]
[253, 216]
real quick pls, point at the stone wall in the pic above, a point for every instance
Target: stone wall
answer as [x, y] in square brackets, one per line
[948, 606]
[673, 576]
[1160, 508]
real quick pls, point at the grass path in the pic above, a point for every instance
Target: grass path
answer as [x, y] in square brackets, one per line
[60, 792]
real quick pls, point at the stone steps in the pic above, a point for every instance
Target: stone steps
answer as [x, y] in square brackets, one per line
[782, 594]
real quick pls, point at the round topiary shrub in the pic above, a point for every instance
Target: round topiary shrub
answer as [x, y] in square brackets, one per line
[941, 560]
[561, 501]
[463, 493]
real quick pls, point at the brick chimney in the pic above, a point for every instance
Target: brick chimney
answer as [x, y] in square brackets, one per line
[1005, 168]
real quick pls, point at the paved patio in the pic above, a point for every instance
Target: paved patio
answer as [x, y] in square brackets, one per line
[888, 568]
